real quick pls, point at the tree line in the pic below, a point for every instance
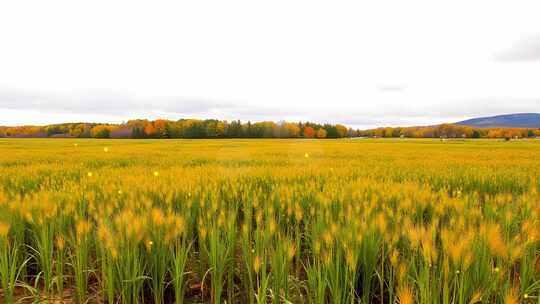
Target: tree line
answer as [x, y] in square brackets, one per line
[451, 131]
[183, 128]
[212, 128]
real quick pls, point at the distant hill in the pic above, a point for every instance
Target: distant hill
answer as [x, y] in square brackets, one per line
[520, 120]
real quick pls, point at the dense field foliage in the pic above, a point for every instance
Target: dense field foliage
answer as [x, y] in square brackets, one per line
[260, 221]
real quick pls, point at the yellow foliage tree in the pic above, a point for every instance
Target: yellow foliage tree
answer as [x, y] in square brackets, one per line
[321, 133]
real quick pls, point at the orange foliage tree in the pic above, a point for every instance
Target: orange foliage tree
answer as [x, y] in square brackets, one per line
[309, 132]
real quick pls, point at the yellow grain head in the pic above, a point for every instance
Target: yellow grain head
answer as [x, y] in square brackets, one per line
[446, 266]
[414, 234]
[468, 258]
[327, 238]
[221, 219]
[405, 295]
[402, 271]
[350, 259]
[257, 264]
[245, 229]
[271, 226]
[214, 206]
[136, 228]
[114, 252]
[455, 252]
[82, 228]
[202, 202]
[496, 242]
[516, 251]
[203, 233]
[511, 296]
[179, 225]
[531, 231]
[476, 297]
[316, 247]
[60, 242]
[3, 199]
[381, 223]
[157, 216]
[258, 217]
[326, 257]
[359, 237]
[298, 214]
[429, 252]
[394, 257]
[291, 250]
[104, 234]
[270, 210]
[4, 229]
[508, 216]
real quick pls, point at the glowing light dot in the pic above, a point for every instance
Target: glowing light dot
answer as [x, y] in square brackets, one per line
[106, 149]
[119, 191]
[89, 174]
[156, 174]
[75, 145]
[306, 155]
[496, 269]
[526, 296]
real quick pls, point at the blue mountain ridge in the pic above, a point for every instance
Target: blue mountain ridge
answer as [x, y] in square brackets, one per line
[518, 120]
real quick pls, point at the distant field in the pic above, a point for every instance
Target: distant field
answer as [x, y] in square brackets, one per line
[260, 221]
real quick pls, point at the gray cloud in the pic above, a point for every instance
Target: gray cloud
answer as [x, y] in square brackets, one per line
[438, 112]
[525, 49]
[106, 103]
[395, 113]
[265, 111]
[464, 107]
[485, 107]
[113, 104]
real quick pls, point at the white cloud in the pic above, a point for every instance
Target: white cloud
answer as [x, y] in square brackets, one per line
[524, 49]
[366, 63]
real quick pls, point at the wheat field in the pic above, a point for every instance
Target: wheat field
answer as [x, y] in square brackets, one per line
[269, 221]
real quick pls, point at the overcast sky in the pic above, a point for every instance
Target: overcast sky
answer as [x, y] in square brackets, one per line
[360, 63]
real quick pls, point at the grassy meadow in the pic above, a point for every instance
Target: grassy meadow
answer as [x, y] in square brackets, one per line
[269, 221]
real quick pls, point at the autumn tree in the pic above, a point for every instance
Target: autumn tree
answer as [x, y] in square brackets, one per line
[161, 128]
[289, 130]
[220, 129]
[321, 133]
[309, 132]
[149, 129]
[341, 130]
[101, 131]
